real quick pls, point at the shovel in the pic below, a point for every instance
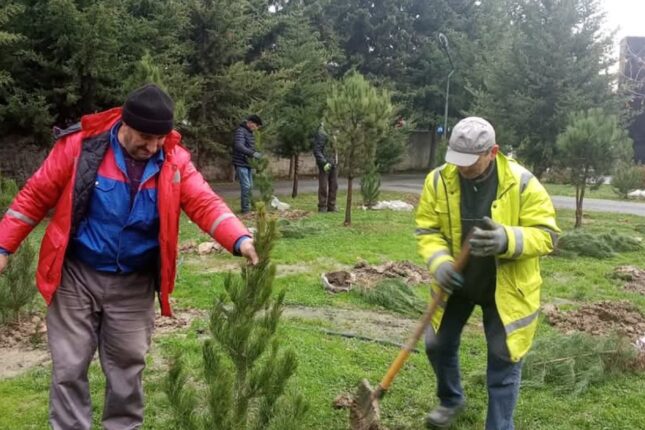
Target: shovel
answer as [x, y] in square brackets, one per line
[365, 412]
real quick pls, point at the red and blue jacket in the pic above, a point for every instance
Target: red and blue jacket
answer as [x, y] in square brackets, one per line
[119, 233]
[70, 181]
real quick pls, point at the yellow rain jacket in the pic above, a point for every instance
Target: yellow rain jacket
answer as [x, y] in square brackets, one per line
[525, 210]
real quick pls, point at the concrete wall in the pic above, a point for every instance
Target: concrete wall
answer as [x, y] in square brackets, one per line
[417, 153]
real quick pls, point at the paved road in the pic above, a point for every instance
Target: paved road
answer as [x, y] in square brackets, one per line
[413, 182]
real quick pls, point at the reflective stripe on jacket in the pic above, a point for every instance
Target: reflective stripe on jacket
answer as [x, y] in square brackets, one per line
[525, 210]
[66, 179]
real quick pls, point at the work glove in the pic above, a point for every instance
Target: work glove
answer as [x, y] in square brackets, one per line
[449, 280]
[257, 155]
[327, 167]
[490, 239]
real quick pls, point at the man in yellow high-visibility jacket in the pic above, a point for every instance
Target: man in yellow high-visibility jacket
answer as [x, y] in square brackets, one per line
[511, 222]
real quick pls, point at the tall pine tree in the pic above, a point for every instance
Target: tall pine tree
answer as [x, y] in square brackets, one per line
[552, 61]
[303, 61]
[358, 117]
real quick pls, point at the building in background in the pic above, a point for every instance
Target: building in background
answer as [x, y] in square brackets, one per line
[632, 80]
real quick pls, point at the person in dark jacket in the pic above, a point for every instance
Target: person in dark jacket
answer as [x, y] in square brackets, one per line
[327, 161]
[243, 148]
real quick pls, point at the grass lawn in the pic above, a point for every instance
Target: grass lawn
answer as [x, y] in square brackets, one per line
[603, 192]
[330, 365]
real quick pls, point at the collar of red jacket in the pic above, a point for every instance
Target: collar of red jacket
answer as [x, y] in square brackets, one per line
[100, 122]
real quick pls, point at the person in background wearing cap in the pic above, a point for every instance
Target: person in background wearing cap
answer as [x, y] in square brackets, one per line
[117, 181]
[327, 162]
[243, 148]
[508, 218]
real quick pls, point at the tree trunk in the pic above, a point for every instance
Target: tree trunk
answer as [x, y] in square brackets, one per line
[580, 195]
[291, 166]
[348, 209]
[294, 162]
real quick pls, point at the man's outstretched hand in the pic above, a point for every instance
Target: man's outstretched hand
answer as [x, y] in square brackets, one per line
[247, 249]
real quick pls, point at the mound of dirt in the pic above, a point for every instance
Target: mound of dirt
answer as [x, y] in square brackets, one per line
[203, 248]
[600, 318]
[181, 319]
[634, 277]
[367, 276]
[29, 331]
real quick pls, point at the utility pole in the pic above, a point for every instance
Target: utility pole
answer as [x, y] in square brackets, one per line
[443, 40]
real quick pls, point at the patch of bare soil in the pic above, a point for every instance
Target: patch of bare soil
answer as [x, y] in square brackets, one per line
[181, 320]
[633, 276]
[600, 318]
[22, 345]
[17, 360]
[203, 248]
[367, 276]
[28, 331]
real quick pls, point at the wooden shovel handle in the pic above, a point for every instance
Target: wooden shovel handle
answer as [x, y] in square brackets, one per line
[396, 365]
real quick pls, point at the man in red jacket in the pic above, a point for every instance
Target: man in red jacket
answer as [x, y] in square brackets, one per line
[117, 181]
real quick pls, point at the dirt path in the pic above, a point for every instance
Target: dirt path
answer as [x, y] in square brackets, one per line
[382, 326]
[372, 324]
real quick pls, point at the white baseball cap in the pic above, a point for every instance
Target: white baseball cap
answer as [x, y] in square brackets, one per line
[470, 138]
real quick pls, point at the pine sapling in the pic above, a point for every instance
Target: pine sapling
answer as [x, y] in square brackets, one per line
[17, 284]
[246, 369]
[371, 187]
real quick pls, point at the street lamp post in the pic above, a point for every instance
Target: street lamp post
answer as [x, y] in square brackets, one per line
[443, 40]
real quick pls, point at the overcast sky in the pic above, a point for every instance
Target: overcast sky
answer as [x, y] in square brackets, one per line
[626, 15]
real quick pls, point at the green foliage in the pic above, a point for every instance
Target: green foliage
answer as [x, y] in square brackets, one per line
[246, 370]
[394, 295]
[301, 59]
[370, 187]
[601, 246]
[550, 59]
[390, 149]
[8, 10]
[17, 283]
[589, 148]
[8, 190]
[572, 364]
[626, 178]
[358, 117]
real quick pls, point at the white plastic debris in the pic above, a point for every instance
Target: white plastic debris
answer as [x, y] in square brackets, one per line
[640, 344]
[277, 204]
[637, 193]
[395, 205]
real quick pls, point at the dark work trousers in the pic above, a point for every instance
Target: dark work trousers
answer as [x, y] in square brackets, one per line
[114, 312]
[502, 375]
[327, 188]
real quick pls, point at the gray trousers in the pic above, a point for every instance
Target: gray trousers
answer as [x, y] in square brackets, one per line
[114, 313]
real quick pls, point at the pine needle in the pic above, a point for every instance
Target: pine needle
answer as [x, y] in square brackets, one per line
[600, 246]
[572, 364]
[394, 295]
